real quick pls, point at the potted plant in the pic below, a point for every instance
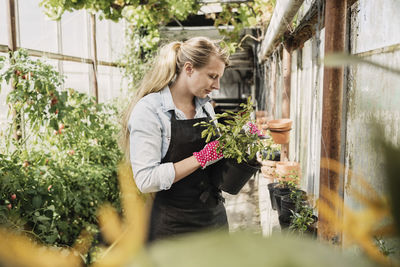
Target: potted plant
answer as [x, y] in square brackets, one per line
[293, 202]
[304, 221]
[287, 170]
[286, 185]
[240, 141]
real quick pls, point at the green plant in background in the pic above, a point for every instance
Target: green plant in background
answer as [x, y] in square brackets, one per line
[234, 136]
[290, 180]
[65, 165]
[302, 219]
[35, 93]
[383, 247]
[254, 15]
[146, 18]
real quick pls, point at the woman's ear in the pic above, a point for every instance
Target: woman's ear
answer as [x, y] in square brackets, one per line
[188, 68]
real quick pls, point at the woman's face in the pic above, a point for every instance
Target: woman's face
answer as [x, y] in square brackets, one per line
[202, 81]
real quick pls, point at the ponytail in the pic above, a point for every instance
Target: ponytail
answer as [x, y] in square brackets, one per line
[159, 76]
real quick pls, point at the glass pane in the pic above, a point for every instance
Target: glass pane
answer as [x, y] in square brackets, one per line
[74, 27]
[76, 76]
[3, 22]
[36, 30]
[104, 83]
[119, 84]
[117, 39]
[103, 40]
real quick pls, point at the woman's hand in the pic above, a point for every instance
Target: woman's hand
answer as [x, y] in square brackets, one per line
[208, 155]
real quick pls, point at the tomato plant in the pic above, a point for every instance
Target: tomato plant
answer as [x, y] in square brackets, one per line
[51, 184]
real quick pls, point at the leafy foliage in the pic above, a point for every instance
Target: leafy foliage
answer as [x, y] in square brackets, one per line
[53, 179]
[145, 18]
[234, 137]
[255, 14]
[302, 219]
[245, 249]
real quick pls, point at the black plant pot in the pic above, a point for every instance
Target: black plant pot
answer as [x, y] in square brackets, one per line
[232, 176]
[284, 221]
[288, 205]
[276, 155]
[278, 194]
[271, 189]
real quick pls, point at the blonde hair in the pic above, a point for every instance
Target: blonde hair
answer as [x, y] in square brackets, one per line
[167, 65]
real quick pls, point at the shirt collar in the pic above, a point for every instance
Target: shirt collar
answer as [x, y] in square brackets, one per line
[168, 103]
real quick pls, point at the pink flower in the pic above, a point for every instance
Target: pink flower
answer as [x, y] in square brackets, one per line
[13, 196]
[253, 129]
[48, 188]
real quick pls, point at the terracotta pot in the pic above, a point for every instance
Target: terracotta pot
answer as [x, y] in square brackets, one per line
[269, 163]
[268, 169]
[261, 114]
[285, 170]
[280, 130]
[268, 172]
[280, 124]
[281, 137]
[261, 120]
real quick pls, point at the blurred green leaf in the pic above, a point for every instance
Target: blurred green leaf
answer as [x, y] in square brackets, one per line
[245, 249]
[344, 59]
[392, 169]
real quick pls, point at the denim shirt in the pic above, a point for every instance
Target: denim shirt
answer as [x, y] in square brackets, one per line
[150, 134]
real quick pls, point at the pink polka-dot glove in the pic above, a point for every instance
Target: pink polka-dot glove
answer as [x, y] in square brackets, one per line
[208, 155]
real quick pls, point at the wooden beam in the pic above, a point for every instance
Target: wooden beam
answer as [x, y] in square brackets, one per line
[94, 58]
[12, 45]
[12, 32]
[335, 36]
[286, 71]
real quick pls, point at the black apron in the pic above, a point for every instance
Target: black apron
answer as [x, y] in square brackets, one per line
[193, 203]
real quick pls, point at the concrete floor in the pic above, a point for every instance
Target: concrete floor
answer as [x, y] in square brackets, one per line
[251, 208]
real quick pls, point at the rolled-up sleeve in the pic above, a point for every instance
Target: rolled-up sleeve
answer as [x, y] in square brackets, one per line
[145, 150]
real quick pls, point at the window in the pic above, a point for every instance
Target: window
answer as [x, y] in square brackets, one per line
[75, 35]
[77, 76]
[3, 23]
[71, 36]
[103, 40]
[117, 34]
[36, 30]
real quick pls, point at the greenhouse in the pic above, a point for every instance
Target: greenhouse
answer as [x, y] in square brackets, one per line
[199, 133]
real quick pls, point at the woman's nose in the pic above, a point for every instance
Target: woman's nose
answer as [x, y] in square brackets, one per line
[215, 84]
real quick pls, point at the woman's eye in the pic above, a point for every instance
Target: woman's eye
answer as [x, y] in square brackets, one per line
[213, 77]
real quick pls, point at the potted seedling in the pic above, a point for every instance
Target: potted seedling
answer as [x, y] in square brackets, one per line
[240, 142]
[304, 221]
[286, 185]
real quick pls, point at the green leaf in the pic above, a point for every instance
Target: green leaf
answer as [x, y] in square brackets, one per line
[37, 202]
[204, 133]
[209, 137]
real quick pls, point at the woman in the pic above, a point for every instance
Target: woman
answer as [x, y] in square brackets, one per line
[167, 153]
